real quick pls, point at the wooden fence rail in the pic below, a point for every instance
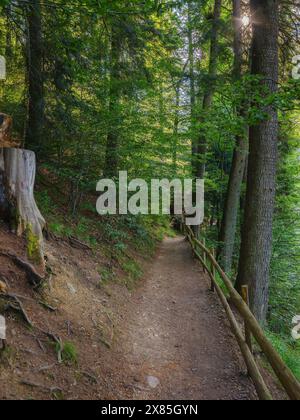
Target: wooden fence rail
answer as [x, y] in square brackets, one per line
[289, 382]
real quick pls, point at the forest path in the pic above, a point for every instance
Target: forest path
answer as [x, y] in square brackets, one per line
[175, 342]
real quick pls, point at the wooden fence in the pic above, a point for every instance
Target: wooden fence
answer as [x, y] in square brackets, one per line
[252, 328]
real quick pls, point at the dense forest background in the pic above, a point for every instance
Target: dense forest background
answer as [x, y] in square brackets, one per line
[161, 89]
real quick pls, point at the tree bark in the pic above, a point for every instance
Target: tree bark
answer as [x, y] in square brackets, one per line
[113, 135]
[192, 90]
[9, 45]
[210, 88]
[256, 248]
[17, 203]
[232, 201]
[35, 123]
[176, 129]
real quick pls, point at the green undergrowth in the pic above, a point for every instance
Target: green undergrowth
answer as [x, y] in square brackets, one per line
[69, 353]
[123, 240]
[289, 351]
[33, 246]
[222, 285]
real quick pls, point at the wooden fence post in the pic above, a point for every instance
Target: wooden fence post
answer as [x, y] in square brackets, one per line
[213, 272]
[281, 370]
[182, 225]
[204, 255]
[248, 336]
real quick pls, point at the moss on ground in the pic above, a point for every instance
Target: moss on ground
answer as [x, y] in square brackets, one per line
[33, 245]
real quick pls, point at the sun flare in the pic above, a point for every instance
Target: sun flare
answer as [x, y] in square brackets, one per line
[246, 20]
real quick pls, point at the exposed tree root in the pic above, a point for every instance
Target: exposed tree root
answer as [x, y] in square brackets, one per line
[20, 308]
[43, 387]
[47, 306]
[75, 243]
[71, 240]
[91, 377]
[33, 276]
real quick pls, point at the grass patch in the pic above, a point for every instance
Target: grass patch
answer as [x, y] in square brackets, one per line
[289, 350]
[69, 353]
[106, 276]
[222, 285]
[133, 271]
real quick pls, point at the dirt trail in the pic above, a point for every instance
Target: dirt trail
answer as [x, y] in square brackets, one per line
[168, 339]
[175, 332]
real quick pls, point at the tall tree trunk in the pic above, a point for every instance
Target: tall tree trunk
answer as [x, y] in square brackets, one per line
[9, 46]
[256, 246]
[36, 106]
[210, 88]
[192, 89]
[194, 140]
[232, 202]
[175, 129]
[113, 135]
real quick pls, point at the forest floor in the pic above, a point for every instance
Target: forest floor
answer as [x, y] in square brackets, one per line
[166, 338]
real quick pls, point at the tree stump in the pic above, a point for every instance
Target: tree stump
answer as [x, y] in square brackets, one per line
[17, 203]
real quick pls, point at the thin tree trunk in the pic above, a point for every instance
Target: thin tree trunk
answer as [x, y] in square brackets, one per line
[192, 89]
[232, 202]
[113, 135]
[35, 123]
[175, 129]
[210, 88]
[9, 46]
[243, 194]
[256, 248]
[194, 140]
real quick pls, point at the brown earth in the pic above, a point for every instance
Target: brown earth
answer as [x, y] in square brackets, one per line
[168, 339]
[176, 338]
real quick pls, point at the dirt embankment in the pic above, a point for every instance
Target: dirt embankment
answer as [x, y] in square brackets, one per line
[78, 312]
